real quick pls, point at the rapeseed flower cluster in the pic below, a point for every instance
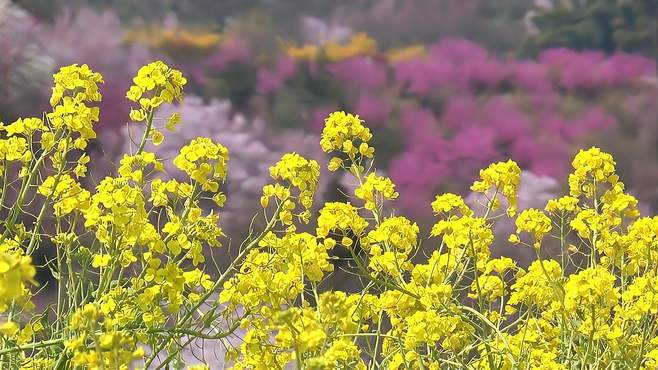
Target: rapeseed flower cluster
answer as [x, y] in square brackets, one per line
[205, 162]
[449, 202]
[156, 84]
[130, 259]
[376, 186]
[16, 273]
[66, 193]
[591, 167]
[534, 222]
[501, 178]
[345, 135]
[342, 220]
[75, 88]
[296, 173]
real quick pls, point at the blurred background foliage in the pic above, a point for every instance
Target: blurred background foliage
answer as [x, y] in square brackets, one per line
[607, 25]
[498, 24]
[448, 86]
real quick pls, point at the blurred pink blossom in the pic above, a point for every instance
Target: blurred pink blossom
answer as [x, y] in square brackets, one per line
[531, 76]
[268, 80]
[232, 50]
[315, 122]
[591, 69]
[508, 122]
[372, 109]
[362, 72]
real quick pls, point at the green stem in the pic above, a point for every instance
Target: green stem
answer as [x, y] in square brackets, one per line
[147, 132]
[34, 345]
[193, 336]
[228, 273]
[18, 206]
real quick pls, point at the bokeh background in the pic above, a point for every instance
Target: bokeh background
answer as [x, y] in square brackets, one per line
[447, 86]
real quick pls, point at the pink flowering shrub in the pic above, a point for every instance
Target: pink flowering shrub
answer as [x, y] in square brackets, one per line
[456, 107]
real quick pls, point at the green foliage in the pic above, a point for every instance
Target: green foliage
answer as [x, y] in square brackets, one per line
[608, 25]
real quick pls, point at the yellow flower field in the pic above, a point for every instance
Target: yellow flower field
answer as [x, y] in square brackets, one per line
[143, 273]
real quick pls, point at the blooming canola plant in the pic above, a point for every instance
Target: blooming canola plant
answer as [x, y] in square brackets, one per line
[132, 287]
